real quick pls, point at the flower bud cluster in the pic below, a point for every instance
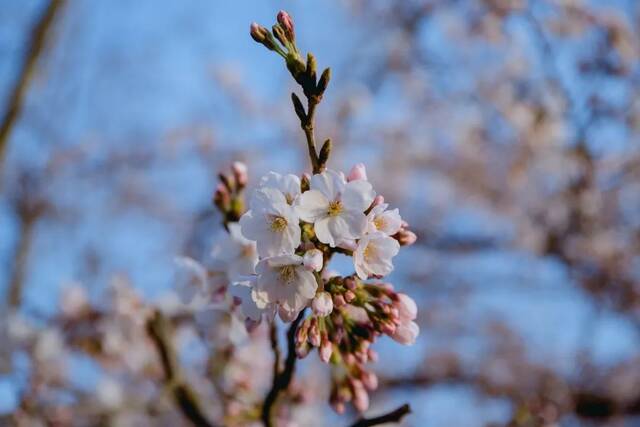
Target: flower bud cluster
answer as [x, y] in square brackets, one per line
[228, 195]
[362, 313]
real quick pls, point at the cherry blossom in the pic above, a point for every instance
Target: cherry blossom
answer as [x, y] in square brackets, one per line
[336, 207]
[271, 222]
[284, 280]
[373, 255]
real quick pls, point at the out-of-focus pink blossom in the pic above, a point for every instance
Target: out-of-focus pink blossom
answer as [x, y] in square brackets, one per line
[406, 333]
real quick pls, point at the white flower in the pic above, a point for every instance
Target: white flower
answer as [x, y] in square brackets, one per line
[237, 254]
[251, 302]
[288, 185]
[271, 222]
[373, 255]
[335, 207]
[384, 221]
[284, 280]
[313, 260]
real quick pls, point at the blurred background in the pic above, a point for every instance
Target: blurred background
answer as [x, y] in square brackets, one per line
[506, 131]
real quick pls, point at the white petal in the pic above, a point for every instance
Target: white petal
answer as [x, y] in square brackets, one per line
[358, 195]
[330, 183]
[312, 205]
[323, 234]
[264, 199]
[348, 225]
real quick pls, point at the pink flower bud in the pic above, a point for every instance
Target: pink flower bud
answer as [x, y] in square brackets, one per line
[221, 197]
[357, 172]
[313, 260]
[370, 380]
[360, 398]
[322, 304]
[284, 19]
[338, 301]
[406, 306]
[350, 283]
[326, 348]
[314, 334]
[406, 333]
[240, 174]
[372, 355]
[302, 350]
[406, 237]
[349, 296]
[257, 32]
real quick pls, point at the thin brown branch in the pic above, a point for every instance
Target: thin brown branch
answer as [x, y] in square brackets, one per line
[184, 396]
[394, 416]
[273, 337]
[283, 379]
[37, 43]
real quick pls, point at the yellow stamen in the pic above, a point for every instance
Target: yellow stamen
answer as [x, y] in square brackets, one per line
[278, 224]
[379, 223]
[335, 208]
[368, 252]
[287, 274]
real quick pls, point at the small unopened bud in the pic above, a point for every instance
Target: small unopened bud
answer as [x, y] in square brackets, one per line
[262, 36]
[240, 174]
[313, 260]
[405, 237]
[221, 197]
[360, 398]
[358, 172]
[406, 333]
[370, 380]
[350, 283]
[302, 350]
[322, 304]
[338, 301]
[285, 21]
[326, 348]
[372, 355]
[406, 306]
[349, 296]
[314, 334]
[378, 200]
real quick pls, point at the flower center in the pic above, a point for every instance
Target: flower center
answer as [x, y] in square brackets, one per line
[278, 224]
[335, 208]
[369, 252]
[379, 222]
[287, 274]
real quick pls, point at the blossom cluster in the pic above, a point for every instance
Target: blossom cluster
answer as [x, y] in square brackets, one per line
[276, 259]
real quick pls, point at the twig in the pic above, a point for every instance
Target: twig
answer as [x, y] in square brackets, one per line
[183, 395]
[391, 417]
[273, 336]
[282, 380]
[40, 34]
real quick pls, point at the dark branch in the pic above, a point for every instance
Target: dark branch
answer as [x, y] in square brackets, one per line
[38, 41]
[183, 395]
[282, 380]
[391, 417]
